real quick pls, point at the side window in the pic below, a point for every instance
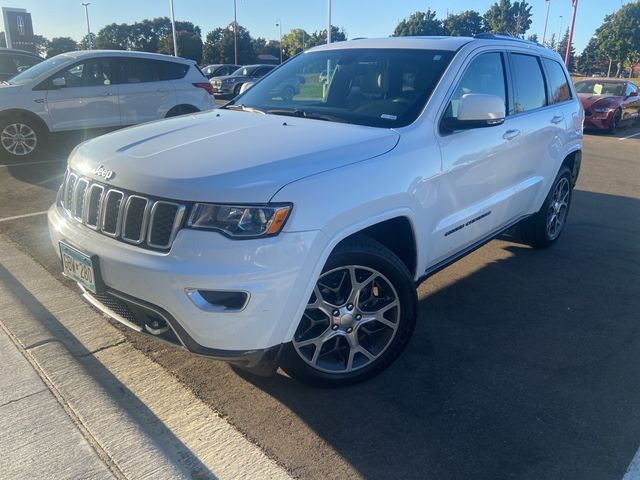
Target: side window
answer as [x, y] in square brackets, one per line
[23, 62]
[558, 83]
[261, 72]
[529, 87]
[485, 74]
[138, 70]
[7, 66]
[90, 73]
[630, 89]
[171, 70]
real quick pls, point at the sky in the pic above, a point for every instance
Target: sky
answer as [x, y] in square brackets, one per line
[360, 18]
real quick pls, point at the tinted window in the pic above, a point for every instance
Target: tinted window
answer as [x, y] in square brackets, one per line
[528, 81]
[171, 70]
[485, 74]
[261, 72]
[597, 87]
[630, 89]
[39, 69]
[88, 74]
[558, 83]
[138, 70]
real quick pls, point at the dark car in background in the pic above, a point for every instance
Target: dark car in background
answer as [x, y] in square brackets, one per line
[608, 103]
[13, 62]
[219, 70]
[230, 85]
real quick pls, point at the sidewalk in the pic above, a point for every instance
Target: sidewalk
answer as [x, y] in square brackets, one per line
[38, 436]
[77, 400]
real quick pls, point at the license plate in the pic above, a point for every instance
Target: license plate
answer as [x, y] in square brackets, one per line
[80, 267]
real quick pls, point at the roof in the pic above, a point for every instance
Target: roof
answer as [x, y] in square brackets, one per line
[79, 54]
[15, 50]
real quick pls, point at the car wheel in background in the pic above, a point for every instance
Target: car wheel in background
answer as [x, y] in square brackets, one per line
[542, 229]
[287, 93]
[181, 110]
[236, 90]
[21, 138]
[358, 320]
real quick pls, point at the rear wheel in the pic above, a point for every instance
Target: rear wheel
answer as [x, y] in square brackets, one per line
[287, 93]
[21, 138]
[236, 90]
[358, 320]
[544, 228]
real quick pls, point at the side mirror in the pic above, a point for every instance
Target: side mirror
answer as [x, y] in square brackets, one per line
[633, 94]
[245, 86]
[59, 82]
[477, 110]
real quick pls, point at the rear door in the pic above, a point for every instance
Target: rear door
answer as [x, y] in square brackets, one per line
[632, 102]
[89, 98]
[144, 93]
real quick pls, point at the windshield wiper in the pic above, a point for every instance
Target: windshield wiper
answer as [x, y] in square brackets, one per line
[243, 108]
[297, 112]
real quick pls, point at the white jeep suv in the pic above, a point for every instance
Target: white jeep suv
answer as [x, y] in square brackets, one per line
[96, 89]
[292, 232]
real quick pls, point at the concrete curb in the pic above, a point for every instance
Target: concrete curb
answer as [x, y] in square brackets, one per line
[140, 419]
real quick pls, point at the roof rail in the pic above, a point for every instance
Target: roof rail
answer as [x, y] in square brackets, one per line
[503, 36]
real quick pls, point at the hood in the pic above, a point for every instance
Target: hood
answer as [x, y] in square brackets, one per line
[226, 156]
[590, 100]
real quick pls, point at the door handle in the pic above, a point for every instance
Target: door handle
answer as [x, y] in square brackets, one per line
[557, 119]
[511, 134]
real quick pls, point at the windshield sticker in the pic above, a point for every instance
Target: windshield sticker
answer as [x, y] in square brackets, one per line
[388, 117]
[597, 89]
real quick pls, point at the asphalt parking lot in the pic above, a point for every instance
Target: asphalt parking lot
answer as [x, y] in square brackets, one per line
[524, 363]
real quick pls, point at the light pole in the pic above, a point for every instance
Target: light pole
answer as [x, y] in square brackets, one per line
[235, 34]
[86, 13]
[173, 30]
[559, 33]
[570, 39]
[279, 24]
[546, 21]
[328, 21]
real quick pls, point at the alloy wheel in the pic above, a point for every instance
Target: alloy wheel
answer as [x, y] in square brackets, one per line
[558, 208]
[351, 319]
[19, 139]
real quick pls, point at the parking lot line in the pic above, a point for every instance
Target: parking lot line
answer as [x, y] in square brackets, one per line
[26, 215]
[24, 164]
[630, 136]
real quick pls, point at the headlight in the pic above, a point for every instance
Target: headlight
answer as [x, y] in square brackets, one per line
[249, 221]
[603, 109]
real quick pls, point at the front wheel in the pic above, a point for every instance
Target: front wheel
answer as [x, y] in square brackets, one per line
[542, 229]
[20, 138]
[358, 320]
[615, 122]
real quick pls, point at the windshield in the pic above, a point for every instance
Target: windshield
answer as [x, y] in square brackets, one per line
[34, 72]
[601, 88]
[373, 87]
[243, 71]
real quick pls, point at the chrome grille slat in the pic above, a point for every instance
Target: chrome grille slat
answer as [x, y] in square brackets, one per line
[129, 217]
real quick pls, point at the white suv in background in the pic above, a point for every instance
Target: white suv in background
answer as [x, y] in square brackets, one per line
[300, 240]
[96, 89]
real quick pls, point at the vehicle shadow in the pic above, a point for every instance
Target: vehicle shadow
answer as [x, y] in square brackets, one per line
[523, 365]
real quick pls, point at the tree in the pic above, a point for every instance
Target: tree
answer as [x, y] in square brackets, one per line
[296, 41]
[262, 46]
[189, 45]
[60, 45]
[562, 49]
[507, 18]
[466, 24]
[84, 43]
[40, 45]
[3, 40]
[619, 35]
[533, 38]
[319, 37]
[114, 37]
[419, 24]
[552, 43]
[218, 46]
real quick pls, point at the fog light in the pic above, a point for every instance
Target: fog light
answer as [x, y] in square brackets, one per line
[218, 300]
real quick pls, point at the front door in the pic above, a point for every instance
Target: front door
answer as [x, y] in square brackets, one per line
[89, 98]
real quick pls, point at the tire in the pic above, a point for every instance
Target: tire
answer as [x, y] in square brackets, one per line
[615, 122]
[236, 90]
[341, 339]
[181, 110]
[287, 93]
[21, 138]
[538, 230]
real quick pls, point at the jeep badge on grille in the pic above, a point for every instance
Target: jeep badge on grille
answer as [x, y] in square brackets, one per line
[104, 173]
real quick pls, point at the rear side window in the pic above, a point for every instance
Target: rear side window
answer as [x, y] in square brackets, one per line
[630, 89]
[558, 83]
[171, 70]
[138, 70]
[528, 83]
[485, 74]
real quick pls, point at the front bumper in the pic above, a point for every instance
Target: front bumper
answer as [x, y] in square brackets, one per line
[276, 273]
[597, 121]
[223, 89]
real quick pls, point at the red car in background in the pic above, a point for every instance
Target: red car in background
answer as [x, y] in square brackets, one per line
[608, 103]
